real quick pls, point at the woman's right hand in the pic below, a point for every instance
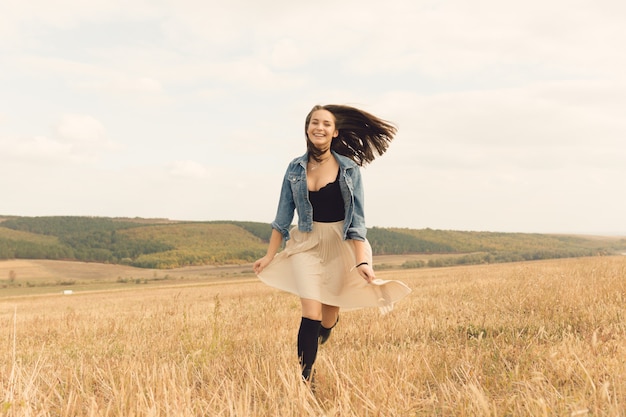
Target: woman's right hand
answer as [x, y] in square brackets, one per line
[260, 264]
[275, 241]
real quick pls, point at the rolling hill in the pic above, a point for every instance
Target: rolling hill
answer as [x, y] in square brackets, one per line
[163, 243]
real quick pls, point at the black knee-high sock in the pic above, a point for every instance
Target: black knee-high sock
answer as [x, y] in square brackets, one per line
[307, 344]
[325, 332]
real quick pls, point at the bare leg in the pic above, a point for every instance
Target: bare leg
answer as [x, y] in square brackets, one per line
[311, 309]
[329, 315]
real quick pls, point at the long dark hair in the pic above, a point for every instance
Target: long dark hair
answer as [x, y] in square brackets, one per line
[362, 136]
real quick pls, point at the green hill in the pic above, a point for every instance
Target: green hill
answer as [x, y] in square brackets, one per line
[492, 247]
[162, 243]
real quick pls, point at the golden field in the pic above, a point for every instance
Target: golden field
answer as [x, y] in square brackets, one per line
[544, 338]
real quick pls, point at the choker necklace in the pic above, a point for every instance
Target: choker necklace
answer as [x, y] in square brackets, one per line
[315, 165]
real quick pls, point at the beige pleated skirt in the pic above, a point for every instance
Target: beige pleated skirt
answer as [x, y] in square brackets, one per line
[319, 265]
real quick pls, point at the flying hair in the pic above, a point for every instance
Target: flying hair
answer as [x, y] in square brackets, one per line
[362, 136]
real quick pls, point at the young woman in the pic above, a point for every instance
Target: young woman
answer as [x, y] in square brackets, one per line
[327, 260]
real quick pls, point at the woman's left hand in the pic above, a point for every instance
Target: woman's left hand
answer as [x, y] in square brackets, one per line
[366, 272]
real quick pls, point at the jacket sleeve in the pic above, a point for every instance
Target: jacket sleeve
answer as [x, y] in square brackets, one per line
[286, 209]
[357, 229]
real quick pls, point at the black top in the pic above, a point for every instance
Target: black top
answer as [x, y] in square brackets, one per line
[328, 203]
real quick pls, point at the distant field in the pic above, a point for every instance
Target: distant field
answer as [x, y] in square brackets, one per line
[45, 276]
[541, 338]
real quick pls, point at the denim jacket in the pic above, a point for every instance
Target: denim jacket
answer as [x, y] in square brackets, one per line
[294, 195]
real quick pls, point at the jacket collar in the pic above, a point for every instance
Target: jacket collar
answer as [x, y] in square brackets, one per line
[343, 161]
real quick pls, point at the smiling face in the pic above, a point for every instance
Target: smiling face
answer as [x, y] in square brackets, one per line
[321, 129]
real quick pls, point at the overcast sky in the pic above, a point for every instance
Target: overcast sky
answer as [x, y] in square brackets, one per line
[511, 115]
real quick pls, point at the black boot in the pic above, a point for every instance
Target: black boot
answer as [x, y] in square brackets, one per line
[307, 345]
[325, 333]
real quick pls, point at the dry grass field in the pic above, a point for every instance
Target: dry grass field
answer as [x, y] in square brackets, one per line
[545, 338]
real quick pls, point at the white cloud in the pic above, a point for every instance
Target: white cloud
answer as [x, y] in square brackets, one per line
[76, 138]
[34, 149]
[84, 133]
[544, 114]
[69, 13]
[80, 129]
[84, 76]
[286, 54]
[461, 39]
[188, 169]
[121, 85]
